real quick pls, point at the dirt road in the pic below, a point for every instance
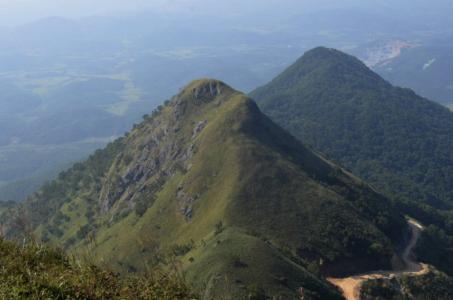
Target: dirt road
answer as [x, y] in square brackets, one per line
[350, 286]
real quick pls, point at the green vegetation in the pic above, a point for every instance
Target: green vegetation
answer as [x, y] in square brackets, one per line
[25, 168]
[33, 271]
[392, 138]
[434, 285]
[86, 176]
[389, 136]
[207, 181]
[436, 247]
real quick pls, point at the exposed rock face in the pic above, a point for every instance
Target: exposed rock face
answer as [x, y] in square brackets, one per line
[154, 163]
[198, 128]
[209, 90]
[161, 153]
[186, 204]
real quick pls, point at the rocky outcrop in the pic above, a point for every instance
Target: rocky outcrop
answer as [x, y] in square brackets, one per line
[199, 128]
[208, 89]
[156, 158]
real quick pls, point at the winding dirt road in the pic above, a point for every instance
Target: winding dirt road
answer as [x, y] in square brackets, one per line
[350, 286]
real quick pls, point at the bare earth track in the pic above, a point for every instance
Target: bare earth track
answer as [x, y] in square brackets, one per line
[350, 286]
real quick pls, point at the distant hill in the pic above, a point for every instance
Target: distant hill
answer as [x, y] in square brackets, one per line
[209, 181]
[389, 136]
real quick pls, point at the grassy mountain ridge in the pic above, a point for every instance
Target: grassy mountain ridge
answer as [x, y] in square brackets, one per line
[208, 180]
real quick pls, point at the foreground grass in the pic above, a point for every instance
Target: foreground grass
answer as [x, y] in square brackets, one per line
[33, 271]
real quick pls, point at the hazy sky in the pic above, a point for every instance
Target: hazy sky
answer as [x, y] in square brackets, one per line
[13, 12]
[21, 11]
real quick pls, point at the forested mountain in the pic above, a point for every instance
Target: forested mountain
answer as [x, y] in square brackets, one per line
[399, 142]
[434, 285]
[211, 182]
[389, 136]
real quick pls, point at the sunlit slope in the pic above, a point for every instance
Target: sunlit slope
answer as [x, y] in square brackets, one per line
[209, 181]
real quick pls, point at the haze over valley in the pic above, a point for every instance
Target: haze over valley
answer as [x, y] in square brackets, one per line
[108, 70]
[192, 149]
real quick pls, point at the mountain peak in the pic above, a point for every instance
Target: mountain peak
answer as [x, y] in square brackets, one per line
[205, 88]
[323, 64]
[322, 50]
[199, 94]
[330, 55]
[333, 62]
[325, 50]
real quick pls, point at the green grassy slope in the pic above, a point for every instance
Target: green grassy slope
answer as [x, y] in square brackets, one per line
[33, 271]
[212, 183]
[394, 139]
